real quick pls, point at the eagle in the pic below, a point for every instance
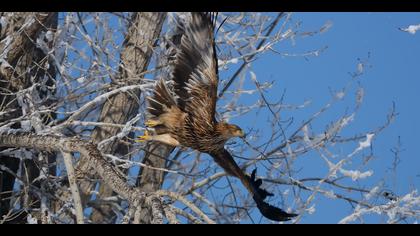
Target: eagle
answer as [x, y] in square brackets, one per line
[184, 114]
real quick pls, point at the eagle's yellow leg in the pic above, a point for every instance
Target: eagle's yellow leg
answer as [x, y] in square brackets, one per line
[152, 123]
[144, 137]
[163, 138]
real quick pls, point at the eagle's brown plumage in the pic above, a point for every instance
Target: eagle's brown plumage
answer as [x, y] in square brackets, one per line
[186, 115]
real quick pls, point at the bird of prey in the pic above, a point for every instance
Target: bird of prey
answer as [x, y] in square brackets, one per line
[185, 115]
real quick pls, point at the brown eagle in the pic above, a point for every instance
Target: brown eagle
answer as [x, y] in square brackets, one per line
[185, 115]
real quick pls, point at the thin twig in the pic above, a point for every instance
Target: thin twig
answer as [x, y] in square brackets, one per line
[246, 60]
[189, 204]
[73, 187]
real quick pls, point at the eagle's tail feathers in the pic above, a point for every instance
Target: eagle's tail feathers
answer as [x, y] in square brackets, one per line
[226, 161]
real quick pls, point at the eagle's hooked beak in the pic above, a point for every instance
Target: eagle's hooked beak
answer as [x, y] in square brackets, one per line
[241, 134]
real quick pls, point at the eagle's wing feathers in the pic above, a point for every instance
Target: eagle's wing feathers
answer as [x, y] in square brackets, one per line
[161, 100]
[195, 71]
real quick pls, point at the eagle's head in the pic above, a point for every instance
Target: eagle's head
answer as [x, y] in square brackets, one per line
[230, 130]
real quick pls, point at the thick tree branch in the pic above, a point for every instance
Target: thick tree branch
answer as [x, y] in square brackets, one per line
[87, 149]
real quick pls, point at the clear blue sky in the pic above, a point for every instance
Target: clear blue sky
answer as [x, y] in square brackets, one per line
[394, 76]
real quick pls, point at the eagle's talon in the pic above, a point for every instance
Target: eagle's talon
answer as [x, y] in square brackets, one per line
[151, 123]
[144, 137]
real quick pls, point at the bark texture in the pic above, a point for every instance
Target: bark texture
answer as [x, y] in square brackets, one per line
[88, 150]
[21, 65]
[142, 34]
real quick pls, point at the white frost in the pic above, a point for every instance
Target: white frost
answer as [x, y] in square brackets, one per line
[340, 95]
[3, 24]
[305, 131]
[253, 76]
[49, 35]
[233, 61]
[287, 33]
[346, 120]
[31, 220]
[367, 142]
[360, 68]
[311, 210]
[364, 144]
[411, 29]
[330, 194]
[26, 125]
[81, 80]
[372, 193]
[356, 174]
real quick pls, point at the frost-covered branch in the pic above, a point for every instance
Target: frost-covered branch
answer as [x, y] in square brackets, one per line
[411, 29]
[73, 186]
[89, 150]
[407, 206]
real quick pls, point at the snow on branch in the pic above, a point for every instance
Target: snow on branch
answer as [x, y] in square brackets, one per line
[356, 174]
[99, 100]
[411, 29]
[363, 144]
[407, 206]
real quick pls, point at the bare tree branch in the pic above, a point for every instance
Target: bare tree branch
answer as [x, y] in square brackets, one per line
[73, 186]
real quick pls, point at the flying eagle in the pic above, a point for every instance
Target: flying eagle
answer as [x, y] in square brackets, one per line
[185, 115]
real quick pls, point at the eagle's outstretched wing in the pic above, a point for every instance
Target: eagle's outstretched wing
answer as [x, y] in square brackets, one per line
[195, 71]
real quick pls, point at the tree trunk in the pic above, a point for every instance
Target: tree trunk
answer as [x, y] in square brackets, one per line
[143, 31]
[22, 62]
[156, 155]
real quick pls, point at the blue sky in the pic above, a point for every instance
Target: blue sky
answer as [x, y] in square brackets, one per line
[393, 76]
